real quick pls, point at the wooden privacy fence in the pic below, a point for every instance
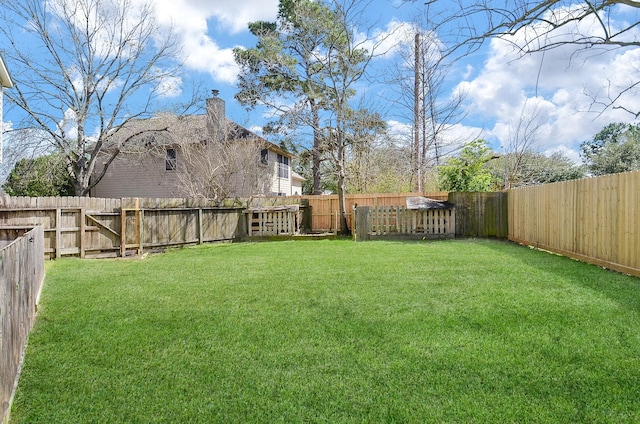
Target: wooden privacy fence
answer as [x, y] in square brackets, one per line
[273, 221]
[94, 227]
[401, 222]
[168, 227]
[595, 220]
[21, 278]
[91, 227]
[481, 214]
[324, 209]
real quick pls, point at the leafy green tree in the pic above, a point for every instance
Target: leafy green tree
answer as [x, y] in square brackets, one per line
[534, 168]
[614, 149]
[284, 71]
[467, 171]
[42, 176]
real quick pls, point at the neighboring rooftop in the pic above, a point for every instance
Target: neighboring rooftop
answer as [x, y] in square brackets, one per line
[5, 78]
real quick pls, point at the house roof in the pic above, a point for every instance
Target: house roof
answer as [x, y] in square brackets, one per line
[5, 78]
[419, 202]
[237, 132]
[194, 127]
[296, 176]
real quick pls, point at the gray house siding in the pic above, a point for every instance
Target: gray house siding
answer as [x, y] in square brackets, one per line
[139, 176]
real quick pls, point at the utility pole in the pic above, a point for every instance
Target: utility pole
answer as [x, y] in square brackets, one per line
[417, 166]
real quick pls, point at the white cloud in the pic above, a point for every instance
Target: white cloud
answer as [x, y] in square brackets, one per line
[399, 129]
[390, 40]
[256, 129]
[571, 154]
[234, 15]
[568, 84]
[69, 124]
[191, 19]
[169, 86]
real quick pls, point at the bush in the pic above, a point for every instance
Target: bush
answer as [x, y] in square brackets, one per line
[42, 176]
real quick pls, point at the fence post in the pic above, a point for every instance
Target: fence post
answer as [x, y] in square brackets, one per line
[306, 225]
[362, 224]
[123, 232]
[200, 232]
[140, 213]
[58, 233]
[83, 222]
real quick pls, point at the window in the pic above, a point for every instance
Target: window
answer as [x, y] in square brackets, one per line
[171, 162]
[264, 156]
[283, 166]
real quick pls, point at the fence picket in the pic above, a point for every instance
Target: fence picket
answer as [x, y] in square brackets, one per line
[403, 222]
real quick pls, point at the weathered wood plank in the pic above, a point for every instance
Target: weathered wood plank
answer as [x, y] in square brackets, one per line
[21, 277]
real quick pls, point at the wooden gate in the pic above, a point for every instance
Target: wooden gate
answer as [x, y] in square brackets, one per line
[401, 222]
[69, 231]
[274, 220]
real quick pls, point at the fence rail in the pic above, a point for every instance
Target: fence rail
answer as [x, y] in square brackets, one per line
[21, 278]
[595, 220]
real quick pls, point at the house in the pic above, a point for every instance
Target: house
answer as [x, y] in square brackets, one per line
[204, 155]
[5, 82]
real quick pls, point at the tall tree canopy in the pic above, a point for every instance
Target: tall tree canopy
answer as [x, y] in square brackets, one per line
[533, 168]
[284, 71]
[82, 70]
[42, 176]
[306, 67]
[614, 149]
[467, 171]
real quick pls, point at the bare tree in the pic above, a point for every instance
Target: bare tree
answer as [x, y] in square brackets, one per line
[226, 170]
[519, 149]
[479, 20]
[345, 63]
[420, 77]
[540, 25]
[211, 157]
[83, 69]
[367, 134]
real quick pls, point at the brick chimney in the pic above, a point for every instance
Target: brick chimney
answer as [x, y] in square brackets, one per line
[216, 117]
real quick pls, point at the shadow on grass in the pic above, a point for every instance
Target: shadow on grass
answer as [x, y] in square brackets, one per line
[618, 287]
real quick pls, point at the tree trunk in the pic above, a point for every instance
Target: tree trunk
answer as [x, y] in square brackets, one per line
[315, 153]
[342, 204]
[416, 119]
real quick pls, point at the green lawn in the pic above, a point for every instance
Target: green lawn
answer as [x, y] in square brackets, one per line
[334, 331]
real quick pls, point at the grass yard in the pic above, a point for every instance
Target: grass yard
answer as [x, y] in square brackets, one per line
[334, 332]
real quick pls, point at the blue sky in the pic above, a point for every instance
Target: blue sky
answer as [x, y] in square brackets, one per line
[553, 90]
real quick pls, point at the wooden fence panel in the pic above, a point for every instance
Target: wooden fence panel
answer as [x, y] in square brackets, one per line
[222, 224]
[102, 232]
[481, 214]
[21, 278]
[399, 221]
[593, 219]
[324, 208]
